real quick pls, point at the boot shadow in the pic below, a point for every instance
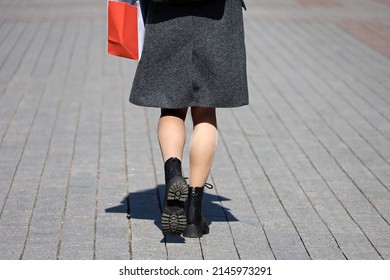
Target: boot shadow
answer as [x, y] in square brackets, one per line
[147, 205]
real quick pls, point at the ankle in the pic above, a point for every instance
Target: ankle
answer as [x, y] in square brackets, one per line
[200, 188]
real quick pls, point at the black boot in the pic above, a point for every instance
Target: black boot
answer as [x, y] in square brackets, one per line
[196, 224]
[173, 218]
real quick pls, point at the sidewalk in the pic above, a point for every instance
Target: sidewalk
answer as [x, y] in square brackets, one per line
[301, 173]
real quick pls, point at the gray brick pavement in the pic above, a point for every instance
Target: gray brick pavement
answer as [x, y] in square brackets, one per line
[301, 173]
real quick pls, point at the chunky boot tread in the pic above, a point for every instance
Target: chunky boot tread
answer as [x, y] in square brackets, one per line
[173, 218]
[177, 190]
[173, 223]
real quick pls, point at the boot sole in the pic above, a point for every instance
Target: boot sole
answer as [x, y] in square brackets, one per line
[173, 218]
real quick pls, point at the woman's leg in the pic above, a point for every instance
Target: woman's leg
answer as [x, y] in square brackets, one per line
[203, 144]
[171, 133]
[172, 137]
[202, 150]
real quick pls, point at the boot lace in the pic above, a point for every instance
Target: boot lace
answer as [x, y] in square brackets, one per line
[207, 185]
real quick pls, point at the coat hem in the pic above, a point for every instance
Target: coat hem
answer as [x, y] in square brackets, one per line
[149, 105]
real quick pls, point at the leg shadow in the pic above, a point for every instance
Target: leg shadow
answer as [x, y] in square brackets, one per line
[147, 205]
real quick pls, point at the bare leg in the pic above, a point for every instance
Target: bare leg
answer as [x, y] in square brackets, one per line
[171, 132]
[203, 144]
[172, 136]
[202, 151]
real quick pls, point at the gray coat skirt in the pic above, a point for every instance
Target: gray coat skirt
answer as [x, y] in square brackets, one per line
[193, 55]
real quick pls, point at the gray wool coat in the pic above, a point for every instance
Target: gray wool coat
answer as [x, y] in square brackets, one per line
[193, 55]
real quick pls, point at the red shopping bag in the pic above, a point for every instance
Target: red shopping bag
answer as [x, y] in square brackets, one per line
[125, 28]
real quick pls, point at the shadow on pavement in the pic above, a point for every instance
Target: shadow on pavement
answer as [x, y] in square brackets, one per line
[146, 205]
